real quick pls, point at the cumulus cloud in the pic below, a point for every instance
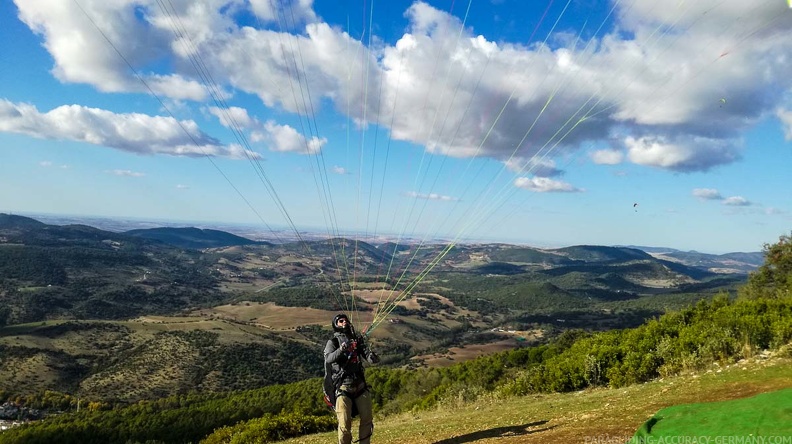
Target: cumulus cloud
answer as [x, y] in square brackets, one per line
[707, 194]
[340, 170]
[135, 133]
[284, 138]
[234, 117]
[654, 80]
[737, 201]
[545, 185]
[300, 10]
[607, 157]
[78, 43]
[713, 194]
[432, 196]
[684, 154]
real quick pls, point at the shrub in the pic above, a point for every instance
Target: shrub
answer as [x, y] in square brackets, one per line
[271, 428]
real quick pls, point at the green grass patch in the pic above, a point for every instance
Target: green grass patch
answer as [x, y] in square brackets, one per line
[764, 415]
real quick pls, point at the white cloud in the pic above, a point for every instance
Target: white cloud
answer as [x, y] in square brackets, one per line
[340, 170]
[785, 116]
[135, 133]
[655, 80]
[707, 194]
[607, 157]
[125, 173]
[82, 53]
[182, 187]
[737, 201]
[234, 117]
[713, 194]
[683, 154]
[649, 86]
[432, 196]
[545, 185]
[284, 138]
[301, 10]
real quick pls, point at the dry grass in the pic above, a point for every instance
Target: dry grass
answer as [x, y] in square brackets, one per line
[270, 316]
[154, 365]
[578, 417]
[29, 373]
[455, 355]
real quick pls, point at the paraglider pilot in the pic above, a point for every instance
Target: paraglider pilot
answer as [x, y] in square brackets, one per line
[345, 386]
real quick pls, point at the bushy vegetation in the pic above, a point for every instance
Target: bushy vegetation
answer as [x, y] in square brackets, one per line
[175, 419]
[719, 331]
[271, 428]
[78, 272]
[302, 296]
[94, 299]
[772, 280]
[30, 264]
[106, 359]
[499, 294]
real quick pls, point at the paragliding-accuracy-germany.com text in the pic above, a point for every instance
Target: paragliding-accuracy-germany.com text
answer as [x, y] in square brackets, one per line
[687, 439]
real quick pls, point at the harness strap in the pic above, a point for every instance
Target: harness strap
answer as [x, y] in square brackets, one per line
[363, 389]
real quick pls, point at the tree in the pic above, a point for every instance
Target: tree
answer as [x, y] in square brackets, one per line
[5, 312]
[773, 279]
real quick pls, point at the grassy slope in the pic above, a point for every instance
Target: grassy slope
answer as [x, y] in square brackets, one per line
[612, 414]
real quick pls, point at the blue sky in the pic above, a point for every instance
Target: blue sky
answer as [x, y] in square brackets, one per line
[538, 122]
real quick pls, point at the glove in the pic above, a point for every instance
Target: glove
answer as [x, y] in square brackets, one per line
[344, 346]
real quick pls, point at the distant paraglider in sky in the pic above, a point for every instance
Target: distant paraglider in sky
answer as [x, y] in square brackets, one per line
[635, 207]
[723, 100]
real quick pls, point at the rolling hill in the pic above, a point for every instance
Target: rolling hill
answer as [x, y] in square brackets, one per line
[116, 297]
[726, 263]
[194, 238]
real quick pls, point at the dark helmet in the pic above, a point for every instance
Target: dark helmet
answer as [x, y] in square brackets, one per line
[336, 327]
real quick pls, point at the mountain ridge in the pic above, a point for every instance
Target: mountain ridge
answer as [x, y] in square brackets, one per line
[115, 224]
[192, 237]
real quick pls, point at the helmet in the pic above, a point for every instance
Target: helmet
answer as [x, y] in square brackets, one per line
[335, 325]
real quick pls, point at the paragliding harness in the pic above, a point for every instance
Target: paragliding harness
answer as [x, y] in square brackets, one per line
[333, 382]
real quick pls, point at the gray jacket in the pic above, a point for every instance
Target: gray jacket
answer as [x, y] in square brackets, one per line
[345, 366]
